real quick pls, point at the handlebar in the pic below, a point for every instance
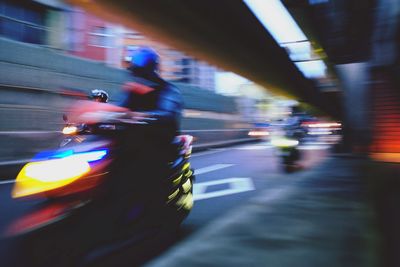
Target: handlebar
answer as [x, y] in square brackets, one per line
[105, 121]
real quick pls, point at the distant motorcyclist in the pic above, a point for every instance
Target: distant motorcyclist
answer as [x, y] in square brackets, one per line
[294, 128]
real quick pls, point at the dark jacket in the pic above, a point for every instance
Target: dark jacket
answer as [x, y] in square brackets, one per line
[158, 98]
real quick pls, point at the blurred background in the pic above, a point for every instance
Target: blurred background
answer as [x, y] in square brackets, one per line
[243, 67]
[53, 52]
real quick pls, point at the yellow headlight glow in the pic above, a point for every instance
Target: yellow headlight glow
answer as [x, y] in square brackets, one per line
[283, 142]
[42, 176]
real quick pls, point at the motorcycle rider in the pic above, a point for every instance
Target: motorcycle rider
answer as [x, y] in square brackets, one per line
[294, 128]
[156, 107]
[157, 102]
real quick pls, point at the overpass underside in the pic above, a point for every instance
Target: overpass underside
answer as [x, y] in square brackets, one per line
[225, 33]
[359, 39]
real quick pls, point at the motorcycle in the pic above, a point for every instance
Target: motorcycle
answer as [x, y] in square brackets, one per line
[93, 201]
[288, 147]
[288, 152]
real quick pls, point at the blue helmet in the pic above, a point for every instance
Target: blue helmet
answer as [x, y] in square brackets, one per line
[145, 59]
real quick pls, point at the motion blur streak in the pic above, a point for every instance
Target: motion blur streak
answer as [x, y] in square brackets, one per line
[255, 133]
[35, 220]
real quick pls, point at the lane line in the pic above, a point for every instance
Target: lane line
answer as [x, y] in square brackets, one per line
[209, 152]
[7, 182]
[211, 168]
[314, 147]
[27, 132]
[236, 185]
[215, 130]
[259, 146]
[13, 162]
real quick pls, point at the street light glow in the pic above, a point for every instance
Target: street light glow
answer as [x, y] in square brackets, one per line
[276, 19]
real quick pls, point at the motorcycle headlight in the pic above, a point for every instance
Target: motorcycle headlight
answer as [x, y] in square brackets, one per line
[42, 176]
[67, 130]
[283, 142]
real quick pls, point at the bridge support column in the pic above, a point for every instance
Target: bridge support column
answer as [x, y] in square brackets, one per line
[355, 82]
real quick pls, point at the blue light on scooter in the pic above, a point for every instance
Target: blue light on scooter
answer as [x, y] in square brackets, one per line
[44, 155]
[63, 154]
[85, 156]
[90, 156]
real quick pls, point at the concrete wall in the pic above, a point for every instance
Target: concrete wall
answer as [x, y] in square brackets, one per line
[25, 65]
[32, 80]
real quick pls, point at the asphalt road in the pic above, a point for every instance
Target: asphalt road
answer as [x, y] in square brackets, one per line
[225, 179]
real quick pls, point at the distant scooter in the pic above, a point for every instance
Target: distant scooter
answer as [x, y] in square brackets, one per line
[288, 147]
[288, 152]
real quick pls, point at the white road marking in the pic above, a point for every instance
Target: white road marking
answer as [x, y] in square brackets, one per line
[27, 132]
[12, 162]
[211, 168]
[7, 182]
[236, 185]
[264, 145]
[209, 152]
[313, 147]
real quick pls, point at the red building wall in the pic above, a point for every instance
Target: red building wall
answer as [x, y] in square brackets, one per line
[385, 119]
[89, 36]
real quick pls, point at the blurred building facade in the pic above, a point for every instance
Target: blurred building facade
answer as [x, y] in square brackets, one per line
[94, 38]
[31, 22]
[72, 30]
[52, 53]
[174, 65]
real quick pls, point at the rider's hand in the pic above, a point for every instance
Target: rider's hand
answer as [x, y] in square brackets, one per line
[135, 117]
[139, 115]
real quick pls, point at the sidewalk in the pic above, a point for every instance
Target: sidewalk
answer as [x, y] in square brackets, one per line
[318, 218]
